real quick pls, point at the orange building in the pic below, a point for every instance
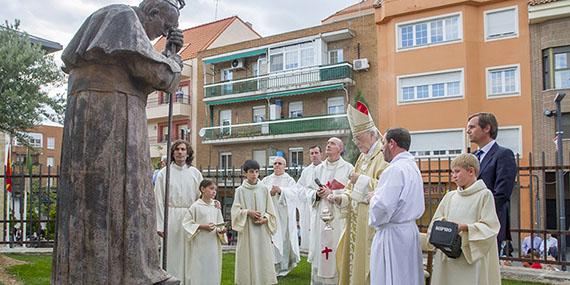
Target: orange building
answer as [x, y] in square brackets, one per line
[443, 60]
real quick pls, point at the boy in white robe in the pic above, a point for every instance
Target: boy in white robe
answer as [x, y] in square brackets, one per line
[254, 218]
[472, 207]
[205, 229]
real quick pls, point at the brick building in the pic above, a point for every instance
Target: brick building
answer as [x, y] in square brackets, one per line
[282, 94]
[210, 35]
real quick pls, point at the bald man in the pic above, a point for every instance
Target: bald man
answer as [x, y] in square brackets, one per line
[333, 175]
[285, 198]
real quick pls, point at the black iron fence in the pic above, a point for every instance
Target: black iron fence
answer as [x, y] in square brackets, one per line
[28, 213]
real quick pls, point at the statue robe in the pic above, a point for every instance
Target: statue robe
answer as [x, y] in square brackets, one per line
[184, 191]
[106, 208]
[205, 246]
[285, 242]
[353, 253]
[479, 260]
[324, 242]
[254, 251]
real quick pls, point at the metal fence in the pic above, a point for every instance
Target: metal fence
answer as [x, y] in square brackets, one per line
[534, 204]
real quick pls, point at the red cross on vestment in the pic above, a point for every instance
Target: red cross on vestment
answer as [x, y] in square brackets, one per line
[326, 251]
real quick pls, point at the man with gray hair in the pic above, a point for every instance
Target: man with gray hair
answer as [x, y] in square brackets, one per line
[105, 207]
[353, 254]
[327, 223]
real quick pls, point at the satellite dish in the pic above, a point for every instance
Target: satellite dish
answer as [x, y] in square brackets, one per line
[202, 132]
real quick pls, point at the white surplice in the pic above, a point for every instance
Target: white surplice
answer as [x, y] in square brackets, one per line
[324, 242]
[398, 201]
[205, 246]
[304, 207]
[285, 239]
[183, 192]
[479, 260]
[254, 251]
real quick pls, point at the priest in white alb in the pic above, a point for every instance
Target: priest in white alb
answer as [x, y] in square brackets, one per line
[395, 205]
[307, 178]
[284, 194]
[332, 174]
[183, 192]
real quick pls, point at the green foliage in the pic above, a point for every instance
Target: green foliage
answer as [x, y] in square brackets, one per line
[25, 74]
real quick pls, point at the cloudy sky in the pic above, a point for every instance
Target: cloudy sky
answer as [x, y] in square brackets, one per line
[58, 20]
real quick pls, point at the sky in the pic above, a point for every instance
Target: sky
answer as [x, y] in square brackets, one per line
[58, 20]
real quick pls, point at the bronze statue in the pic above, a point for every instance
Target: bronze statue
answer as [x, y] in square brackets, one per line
[106, 209]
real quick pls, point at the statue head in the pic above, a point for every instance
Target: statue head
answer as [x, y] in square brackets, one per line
[159, 16]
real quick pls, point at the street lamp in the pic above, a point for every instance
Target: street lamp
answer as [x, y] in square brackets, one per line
[560, 173]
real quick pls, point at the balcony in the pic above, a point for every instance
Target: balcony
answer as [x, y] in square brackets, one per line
[315, 76]
[181, 108]
[308, 127]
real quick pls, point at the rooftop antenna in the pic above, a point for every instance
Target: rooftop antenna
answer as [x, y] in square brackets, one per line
[216, 11]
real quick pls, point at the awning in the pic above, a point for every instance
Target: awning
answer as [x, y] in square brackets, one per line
[277, 94]
[236, 56]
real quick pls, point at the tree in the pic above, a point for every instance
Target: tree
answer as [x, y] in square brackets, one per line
[26, 73]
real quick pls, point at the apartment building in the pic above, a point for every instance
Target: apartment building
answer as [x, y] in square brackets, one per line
[210, 35]
[45, 141]
[550, 74]
[443, 60]
[280, 95]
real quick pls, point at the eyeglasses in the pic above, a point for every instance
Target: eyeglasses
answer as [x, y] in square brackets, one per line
[277, 163]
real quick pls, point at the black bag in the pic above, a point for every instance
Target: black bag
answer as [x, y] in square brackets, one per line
[445, 237]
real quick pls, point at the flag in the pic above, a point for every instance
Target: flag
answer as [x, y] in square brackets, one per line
[8, 168]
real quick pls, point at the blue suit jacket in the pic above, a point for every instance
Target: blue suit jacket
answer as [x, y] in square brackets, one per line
[498, 171]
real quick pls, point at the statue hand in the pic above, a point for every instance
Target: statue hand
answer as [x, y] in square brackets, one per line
[174, 41]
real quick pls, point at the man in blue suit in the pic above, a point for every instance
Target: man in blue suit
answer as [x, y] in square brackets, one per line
[498, 166]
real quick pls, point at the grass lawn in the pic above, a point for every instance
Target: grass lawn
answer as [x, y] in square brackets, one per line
[38, 271]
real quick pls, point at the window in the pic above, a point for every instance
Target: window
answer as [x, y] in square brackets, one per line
[501, 23]
[164, 136]
[431, 31]
[50, 143]
[502, 80]
[296, 156]
[335, 56]
[437, 143]
[296, 109]
[261, 157]
[35, 139]
[226, 120]
[556, 64]
[565, 125]
[510, 137]
[50, 161]
[335, 105]
[225, 160]
[291, 57]
[183, 132]
[441, 85]
[258, 114]
[227, 75]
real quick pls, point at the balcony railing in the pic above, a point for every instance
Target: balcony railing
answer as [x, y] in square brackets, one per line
[278, 127]
[279, 80]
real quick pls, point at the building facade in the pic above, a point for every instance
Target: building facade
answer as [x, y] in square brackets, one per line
[550, 60]
[281, 95]
[210, 35]
[443, 60]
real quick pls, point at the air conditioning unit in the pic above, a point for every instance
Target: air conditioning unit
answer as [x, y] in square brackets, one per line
[237, 63]
[360, 64]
